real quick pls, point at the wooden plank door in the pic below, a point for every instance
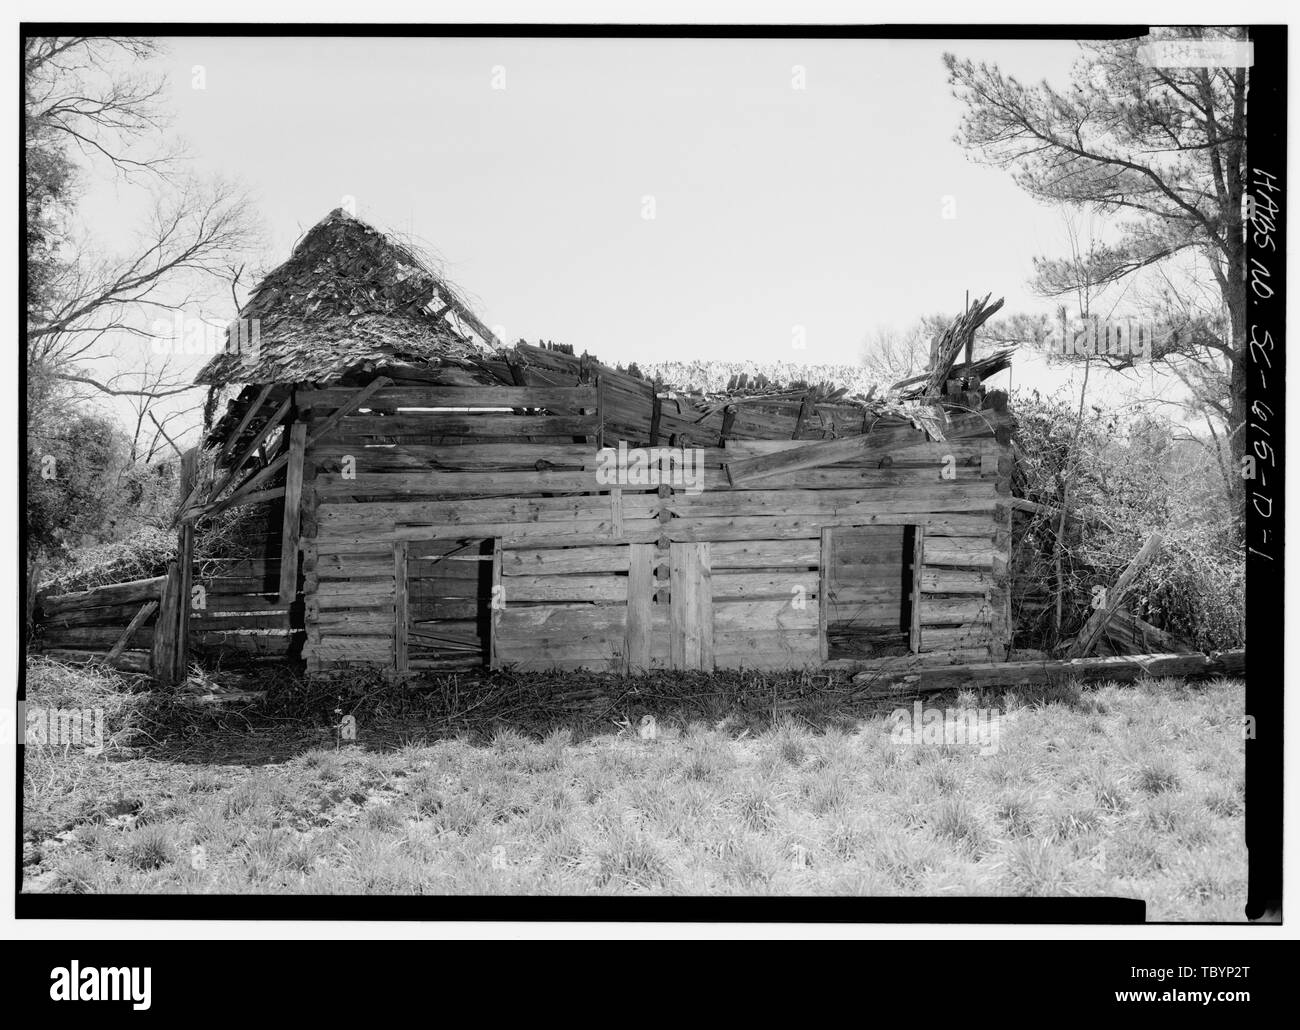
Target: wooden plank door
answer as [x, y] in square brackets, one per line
[690, 620]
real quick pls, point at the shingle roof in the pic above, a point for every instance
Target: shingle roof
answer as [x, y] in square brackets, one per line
[348, 297]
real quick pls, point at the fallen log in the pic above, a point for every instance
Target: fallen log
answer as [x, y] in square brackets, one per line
[912, 674]
[139, 591]
[128, 661]
[1092, 629]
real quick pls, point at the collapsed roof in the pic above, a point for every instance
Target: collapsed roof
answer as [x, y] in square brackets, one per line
[349, 297]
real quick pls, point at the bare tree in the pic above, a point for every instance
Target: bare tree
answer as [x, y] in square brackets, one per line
[185, 249]
[90, 103]
[890, 355]
[77, 94]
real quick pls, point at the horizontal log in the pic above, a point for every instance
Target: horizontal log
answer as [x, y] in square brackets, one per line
[913, 674]
[448, 609]
[365, 622]
[784, 585]
[541, 649]
[941, 496]
[579, 532]
[960, 551]
[564, 560]
[127, 661]
[972, 635]
[890, 593]
[365, 650]
[329, 456]
[267, 602]
[822, 453]
[596, 587]
[213, 623]
[517, 622]
[481, 426]
[788, 641]
[226, 586]
[441, 587]
[752, 554]
[333, 518]
[109, 615]
[136, 591]
[774, 615]
[954, 581]
[857, 477]
[93, 637]
[569, 399]
[776, 526]
[944, 612]
[455, 484]
[918, 452]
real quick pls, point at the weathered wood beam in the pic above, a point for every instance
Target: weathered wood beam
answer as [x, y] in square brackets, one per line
[189, 484]
[914, 675]
[132, 662]
[497, 603]
[253, 445]
[163, 661]
[815, 455]
[1092, 629]
[918, 563]
[468, 317]
[401, 606]
[98, 597]
[246, 487]
[139, 620]
[292, 524]
[249, 415]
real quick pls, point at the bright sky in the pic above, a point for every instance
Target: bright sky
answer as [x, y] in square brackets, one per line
[826, 207]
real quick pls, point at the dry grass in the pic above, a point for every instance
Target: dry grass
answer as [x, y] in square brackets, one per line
[1131, 791]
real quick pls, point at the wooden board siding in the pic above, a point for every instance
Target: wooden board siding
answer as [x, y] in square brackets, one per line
[586, 567]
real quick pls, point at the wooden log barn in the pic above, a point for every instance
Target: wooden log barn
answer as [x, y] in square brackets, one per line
[421, 497]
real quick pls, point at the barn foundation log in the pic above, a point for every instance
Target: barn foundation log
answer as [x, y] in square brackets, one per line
[913, 675]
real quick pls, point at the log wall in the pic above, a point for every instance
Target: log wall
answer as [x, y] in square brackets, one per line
[543, 562]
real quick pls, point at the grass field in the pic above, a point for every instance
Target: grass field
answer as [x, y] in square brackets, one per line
[1133, 791]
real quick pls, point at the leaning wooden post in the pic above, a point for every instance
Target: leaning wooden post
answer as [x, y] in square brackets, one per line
[401, 607]
[918, 564]
[292, 527]
[1092, 629]
[185, 558]
[165, 628]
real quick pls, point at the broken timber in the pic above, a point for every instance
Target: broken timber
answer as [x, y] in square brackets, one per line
[1092, 629]
[241, 492]
[817, 454]
[913, 675]
[139, 620]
